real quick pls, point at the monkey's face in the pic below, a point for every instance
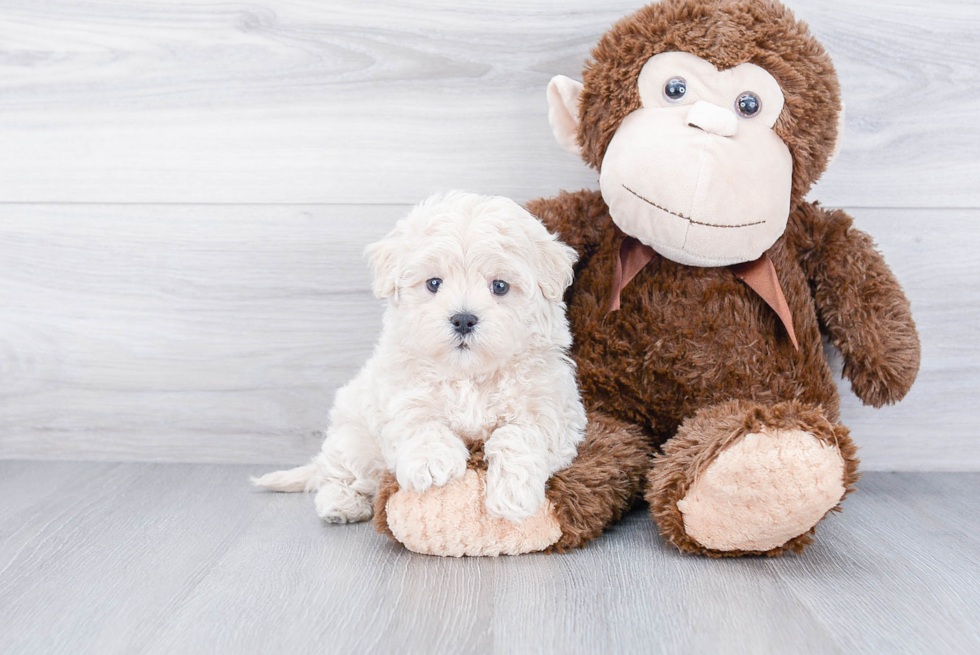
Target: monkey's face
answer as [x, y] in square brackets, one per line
[702, 154]
[697, 173]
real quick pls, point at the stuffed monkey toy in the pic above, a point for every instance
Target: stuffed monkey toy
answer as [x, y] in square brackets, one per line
[704, 287]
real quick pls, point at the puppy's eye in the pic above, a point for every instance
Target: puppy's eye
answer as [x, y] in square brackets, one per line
[433, 284]
[499, 288]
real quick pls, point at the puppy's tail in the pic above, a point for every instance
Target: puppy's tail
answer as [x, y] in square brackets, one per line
[301, 478]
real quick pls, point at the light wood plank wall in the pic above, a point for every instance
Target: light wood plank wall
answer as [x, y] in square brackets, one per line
[186, 188]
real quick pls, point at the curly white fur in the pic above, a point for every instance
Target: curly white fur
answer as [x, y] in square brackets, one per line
[428, 391]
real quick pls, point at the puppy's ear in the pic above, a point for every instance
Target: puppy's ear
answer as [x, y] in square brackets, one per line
[555, 266]
[385, 257]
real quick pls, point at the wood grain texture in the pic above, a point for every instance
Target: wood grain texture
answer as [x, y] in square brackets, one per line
[159, 332]
[283, 101]
[219, 333]
[136, 558]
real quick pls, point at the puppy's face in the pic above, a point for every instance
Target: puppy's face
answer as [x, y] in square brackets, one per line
[472, 281]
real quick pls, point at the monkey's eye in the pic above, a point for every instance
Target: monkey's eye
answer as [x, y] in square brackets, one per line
[675, 88]
[433, 284]
[748, 104]
[499, 287]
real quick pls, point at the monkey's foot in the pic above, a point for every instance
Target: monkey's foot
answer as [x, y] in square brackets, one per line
[747, 479]
[453, 520]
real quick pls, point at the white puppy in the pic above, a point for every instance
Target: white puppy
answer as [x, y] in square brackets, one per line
[473, 347]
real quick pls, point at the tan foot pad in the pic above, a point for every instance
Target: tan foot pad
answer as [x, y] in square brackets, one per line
[763, 491]
[453, 521]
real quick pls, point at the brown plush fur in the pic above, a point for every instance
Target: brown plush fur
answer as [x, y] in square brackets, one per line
[689, 339]
[602, 483]
[702, 437]
[386, 489]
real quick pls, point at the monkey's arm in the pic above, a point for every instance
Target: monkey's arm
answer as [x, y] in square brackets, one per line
[579, 219]
[861, 305]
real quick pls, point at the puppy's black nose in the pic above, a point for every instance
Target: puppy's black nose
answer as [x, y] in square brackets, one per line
[463, 323]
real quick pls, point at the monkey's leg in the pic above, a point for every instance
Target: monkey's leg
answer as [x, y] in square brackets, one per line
[582, 500]
[602, 484]
[742, 478]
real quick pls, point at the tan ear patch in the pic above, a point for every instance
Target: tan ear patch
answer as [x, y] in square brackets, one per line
[563, 108]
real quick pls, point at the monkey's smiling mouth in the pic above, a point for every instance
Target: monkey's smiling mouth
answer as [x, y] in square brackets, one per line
[686, 218]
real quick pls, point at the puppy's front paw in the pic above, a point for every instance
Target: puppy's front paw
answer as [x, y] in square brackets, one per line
[513, 494]
[432, 463]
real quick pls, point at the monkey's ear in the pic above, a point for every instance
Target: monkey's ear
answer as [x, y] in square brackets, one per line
[840, 135]
[563, 99]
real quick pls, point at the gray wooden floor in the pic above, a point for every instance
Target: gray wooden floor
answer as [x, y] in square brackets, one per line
[188, 558]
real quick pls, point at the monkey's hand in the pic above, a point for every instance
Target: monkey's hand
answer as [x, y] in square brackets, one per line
[861, 305]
